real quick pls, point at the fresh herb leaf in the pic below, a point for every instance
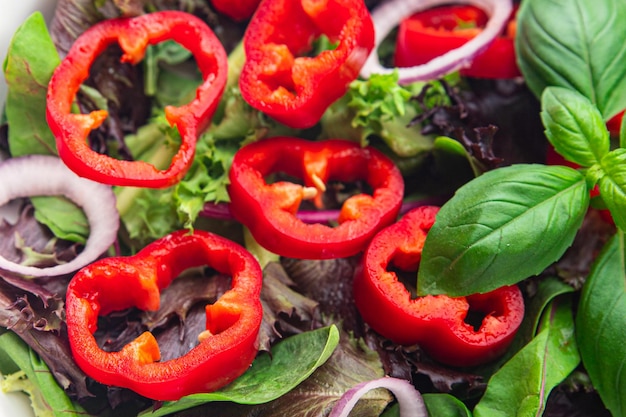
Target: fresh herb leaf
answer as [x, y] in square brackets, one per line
[574, 126]
[502, 227]
[271, 375]
[545, 362]
[612, 185]
[600, 325]
[575, 44]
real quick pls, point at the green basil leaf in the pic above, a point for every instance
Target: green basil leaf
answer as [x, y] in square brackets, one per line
[577, 44]
[545, 362]
[574, 126]
[502, 227]
[30, 62]
[271, 375]
[600, 325]
[612, 185]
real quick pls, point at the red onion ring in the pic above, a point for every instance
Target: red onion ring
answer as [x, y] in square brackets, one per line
[42, 175]
[389, 14]
[409, 399]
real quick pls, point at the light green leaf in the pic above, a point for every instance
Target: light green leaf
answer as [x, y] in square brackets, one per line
[64, 218]
[29, 64]
[545, 362]
[574, 126]
[271, 375]
[612, 185]
[577, 44]
[601, 328]
[502, 227]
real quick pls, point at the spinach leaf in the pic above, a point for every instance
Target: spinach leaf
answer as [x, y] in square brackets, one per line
[577, 44]
[271, 375]
[545, 362]
[574, 126]
[502, 227]
[600, 325]
[30, 62]
[445, 405]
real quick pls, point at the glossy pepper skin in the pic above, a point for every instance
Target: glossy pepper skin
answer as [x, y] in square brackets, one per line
[428, 34]
[226, 348]
[237, 10]
[269, 210]
[133, 35]
[280, 80]
[436, 323]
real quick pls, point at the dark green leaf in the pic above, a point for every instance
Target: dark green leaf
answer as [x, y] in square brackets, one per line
[577, 44]
[445, 405]
[612, 185]
[272, 375]
[574, 126]
[29, 64]
[601, 328]
[502, 227]
[544, 363]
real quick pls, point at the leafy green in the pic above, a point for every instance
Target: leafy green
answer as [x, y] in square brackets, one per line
[35, 378]
[600, 325]
[574, 126]
[29, 64]
[577, 44]
[445, 405]
[502, 227]
[612, 184]
[271, 375]
[545, 362]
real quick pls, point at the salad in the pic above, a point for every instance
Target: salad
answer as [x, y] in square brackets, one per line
[316, 208]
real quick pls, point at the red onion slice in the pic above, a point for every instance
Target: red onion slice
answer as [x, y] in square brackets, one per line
[389, 14]
[42, 175]
[409, 399]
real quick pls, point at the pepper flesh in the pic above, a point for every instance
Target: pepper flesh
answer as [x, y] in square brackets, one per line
[237, 10]
[437, 323]
[226, 348]
[430, 33]
[134, 35]
[279, 80]
[269, 210]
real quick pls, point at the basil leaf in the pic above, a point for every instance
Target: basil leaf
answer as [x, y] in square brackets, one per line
[30, 62]
[600, 325]
[545, 362]
[612, 185]
[502, 227]
[574, 126]
[577, 44]
[271, 375]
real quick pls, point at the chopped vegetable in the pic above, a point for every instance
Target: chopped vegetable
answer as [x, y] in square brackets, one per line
[225, 350]
[278, 79]
[236, 9]
[269, 210]
[22, 177]
[133, 36]
[387, 16]
[438, 323]
[431, 33]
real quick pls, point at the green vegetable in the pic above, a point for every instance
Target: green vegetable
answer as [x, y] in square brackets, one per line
[601, 325]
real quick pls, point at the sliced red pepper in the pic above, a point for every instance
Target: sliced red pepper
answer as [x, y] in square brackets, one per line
[431, 33]
[437, 323]
[226, 348]
[134, 35]
[279, 80]
[237, 10]
[269, 210]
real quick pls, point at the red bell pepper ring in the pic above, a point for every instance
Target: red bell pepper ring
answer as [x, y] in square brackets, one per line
[269, 210]
[428, 34]
[437, 323]
[279, 80]
[237, 10]
[134, 35]
[226, 348]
